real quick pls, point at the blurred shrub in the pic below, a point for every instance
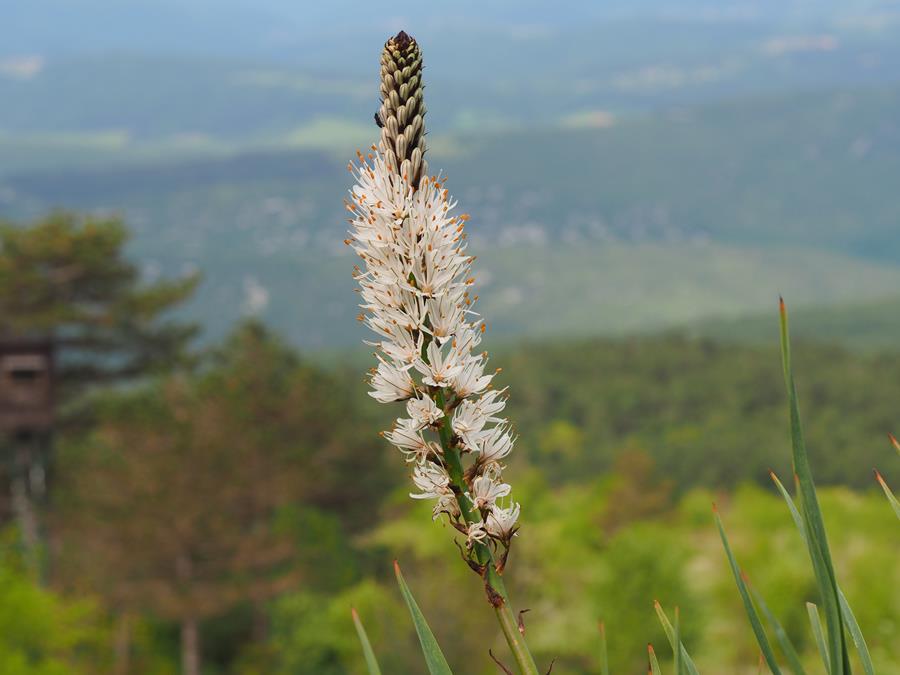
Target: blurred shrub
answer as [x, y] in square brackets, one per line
[42, 633]
[571, 572]
[310, 633]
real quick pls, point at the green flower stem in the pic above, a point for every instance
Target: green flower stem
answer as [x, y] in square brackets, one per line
[515, 640]
[494, 586]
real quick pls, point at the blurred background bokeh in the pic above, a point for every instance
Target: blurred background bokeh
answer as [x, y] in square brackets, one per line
[192, 479]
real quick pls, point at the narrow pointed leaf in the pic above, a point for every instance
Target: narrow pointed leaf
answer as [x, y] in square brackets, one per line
[792, 507]
[856, 634]
[787, 647]
[755, 622]
[817, 541]
[846, 612]
[677, 652]
[887, 493]
[836, 640]
[654, 663]
[816, 624]
[434, 657]
[604, 656]
[371, 662]
[670, 634]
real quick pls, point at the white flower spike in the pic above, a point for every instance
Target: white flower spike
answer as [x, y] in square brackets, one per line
[415, 278]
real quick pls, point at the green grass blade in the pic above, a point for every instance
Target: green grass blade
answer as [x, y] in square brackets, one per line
[846, 612]
[787, 647]
[654, 664]
[604, 655]
[887, 493]
[755, 623]
[817, 541]
[676, 653]
[434, 657]
[792, 507]
[670, 634]
[371, 661]
[837, 643]
[856, 634]
[816, 624]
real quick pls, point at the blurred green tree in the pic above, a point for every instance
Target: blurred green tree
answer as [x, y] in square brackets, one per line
[65, 281]
[709, 414]
[66, 277]
[636, 492]
[184, 502]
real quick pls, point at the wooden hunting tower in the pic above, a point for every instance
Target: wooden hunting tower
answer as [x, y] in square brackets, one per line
[26, 386]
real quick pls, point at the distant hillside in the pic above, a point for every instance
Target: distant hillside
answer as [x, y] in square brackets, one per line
[708, 413]
[643, 225]
[148, 79]
[805, 170]
[866, 324]
[814, 169]
[552, 291]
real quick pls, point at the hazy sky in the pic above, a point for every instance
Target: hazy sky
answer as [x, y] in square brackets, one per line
[270, 28]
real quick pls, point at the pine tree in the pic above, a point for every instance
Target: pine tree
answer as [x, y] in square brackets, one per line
[66, 278]
[66, 283]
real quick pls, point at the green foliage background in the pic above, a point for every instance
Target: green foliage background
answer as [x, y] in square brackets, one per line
[571, 572]
[619, 443]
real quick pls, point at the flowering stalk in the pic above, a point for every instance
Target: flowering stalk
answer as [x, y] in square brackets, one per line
[414, 285]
